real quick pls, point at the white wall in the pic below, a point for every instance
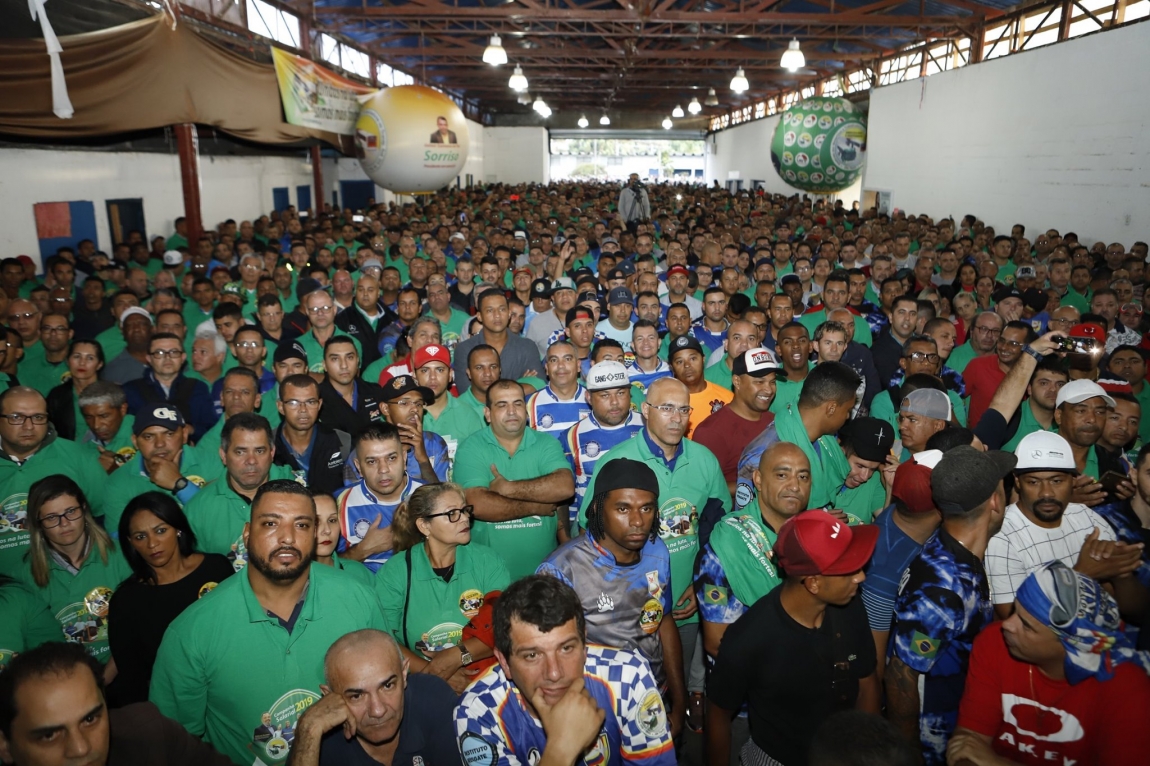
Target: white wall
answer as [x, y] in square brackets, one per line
[746, 149]
[231, 187]
[1055, 137]
[516, 155]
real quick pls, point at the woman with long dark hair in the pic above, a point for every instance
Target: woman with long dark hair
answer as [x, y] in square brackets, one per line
[72, 564]
[85, 360]
[168, 576]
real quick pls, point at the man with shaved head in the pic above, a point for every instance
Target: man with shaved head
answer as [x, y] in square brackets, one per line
[372, 711]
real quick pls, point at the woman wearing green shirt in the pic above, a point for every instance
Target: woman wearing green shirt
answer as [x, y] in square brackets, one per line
[437, 581]
[327, 540]
[73, 564]
[85, 360]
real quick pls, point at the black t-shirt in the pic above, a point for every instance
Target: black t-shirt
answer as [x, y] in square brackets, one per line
[426, 731]
[138, 616]
[787, 672]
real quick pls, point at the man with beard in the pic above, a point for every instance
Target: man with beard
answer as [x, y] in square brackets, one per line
[1045, 525]
[610, 422]
[218, 512]
[982, 341]
[944, 599]
[393, 716]
[281, 615]
[403, 403]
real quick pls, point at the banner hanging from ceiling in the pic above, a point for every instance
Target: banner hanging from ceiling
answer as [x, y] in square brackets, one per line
[315, 97]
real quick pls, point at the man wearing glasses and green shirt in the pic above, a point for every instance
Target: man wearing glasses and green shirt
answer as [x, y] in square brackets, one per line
[320, 308]
[32, 451]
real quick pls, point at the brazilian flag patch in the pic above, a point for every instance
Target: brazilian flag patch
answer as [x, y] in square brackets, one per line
[715, 595]
[924, 646]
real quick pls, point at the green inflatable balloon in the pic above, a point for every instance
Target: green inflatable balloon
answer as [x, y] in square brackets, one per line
[820, 145]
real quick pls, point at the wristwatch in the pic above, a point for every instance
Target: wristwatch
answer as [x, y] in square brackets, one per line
[180, 485]
[465, 655]
[1030, 350]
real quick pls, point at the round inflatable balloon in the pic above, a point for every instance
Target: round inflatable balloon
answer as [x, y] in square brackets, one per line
[820, 145]
[411, 139]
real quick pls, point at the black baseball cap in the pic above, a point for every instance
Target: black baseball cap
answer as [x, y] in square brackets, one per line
[541, 288]
[685, 343]
[965, 477]
[164, 415]
[871, 438]
[405, 384]
[286, 351]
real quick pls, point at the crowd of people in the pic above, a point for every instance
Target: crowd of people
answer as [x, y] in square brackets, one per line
[545, 475]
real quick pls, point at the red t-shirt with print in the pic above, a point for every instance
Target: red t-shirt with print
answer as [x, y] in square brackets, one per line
[1032, 719]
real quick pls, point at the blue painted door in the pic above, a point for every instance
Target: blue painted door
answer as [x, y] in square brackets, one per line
[125, 216]
[303, 197]
[281, 198]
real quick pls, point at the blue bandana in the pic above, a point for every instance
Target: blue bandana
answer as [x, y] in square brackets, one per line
[1085, 619]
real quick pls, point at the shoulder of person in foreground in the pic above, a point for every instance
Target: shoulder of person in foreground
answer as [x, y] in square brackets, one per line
[143, 736]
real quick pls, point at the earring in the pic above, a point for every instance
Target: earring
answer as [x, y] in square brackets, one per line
[179, 533]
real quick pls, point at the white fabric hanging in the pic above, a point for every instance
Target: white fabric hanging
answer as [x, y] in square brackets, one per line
[61, 104]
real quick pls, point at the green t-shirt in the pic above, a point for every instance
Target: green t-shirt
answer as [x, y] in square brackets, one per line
[57, 456]
[194, 316]
[314, 349]
[79, 602]
[451, 332]
[113, 343]
[120, 443]
[683, 494]
[37, 372]
[961, 356]
[1027, 424]
[719, 374]
[27, 622]
[130, 480]
[786, 393]
[455, 423]
[861, 503]
[523, 543]
[468, 400]
[1143, 398]
[1077, 299]
[209, 443]
[217, 515]
[203, 676]
[437, 610]
[176, 241]
[356, 570]
[862, 329]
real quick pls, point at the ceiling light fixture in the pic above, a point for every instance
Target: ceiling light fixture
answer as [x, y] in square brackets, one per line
[525, 99]
[667, 123]
[694, 107]
[494, 54]
[583, 121]
[604, 120]
[677, 112]
[739, 82]
[518, 81]
[793, 58]
[711, 99]
[541, 107]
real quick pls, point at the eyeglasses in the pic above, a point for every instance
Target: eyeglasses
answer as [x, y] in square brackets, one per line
[18, 418]
[987, 330]
[53, 330]
[454, 514]
[25, 315]
[669, 409]
[318, 309]
[922, 356]
[247, 344]
[1010, 343]
[1062, 321]
[164, 353]
[54, 519]
[295, 404]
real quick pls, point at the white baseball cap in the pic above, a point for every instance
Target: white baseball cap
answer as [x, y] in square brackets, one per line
[1044, 451]
[134, 310]
[606, 375]
[1078, 391]
[173, 258]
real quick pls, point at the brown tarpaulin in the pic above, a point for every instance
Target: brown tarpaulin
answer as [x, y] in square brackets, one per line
[145, 75]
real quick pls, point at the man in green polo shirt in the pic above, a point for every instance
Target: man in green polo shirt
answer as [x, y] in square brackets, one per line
[109, 426]
[239, 392]
[238, 669]
[29, 451]
[983, 338]
[835, 294]
[218, 512]
[320, 308]
[447, 415]
[1129, 363]
[483, 369]
[515, 477]
[163, 462]
[691, 485]
[741, 336]
[47, 367]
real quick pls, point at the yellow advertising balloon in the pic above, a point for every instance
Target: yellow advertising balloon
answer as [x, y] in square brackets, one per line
[411, 139]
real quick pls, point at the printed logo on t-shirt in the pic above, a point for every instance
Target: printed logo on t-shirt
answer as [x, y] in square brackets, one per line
[443, 636]
[475, 750]
[600, 753]
[652, 718]
[206, 588]
[13, 521]
[86, 622]
[470, 602]
[276, 730]
[651, 616]
[238, 554]
[6, 656]
[1025, 715]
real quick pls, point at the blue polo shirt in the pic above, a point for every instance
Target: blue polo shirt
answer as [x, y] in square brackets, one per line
[893, 553]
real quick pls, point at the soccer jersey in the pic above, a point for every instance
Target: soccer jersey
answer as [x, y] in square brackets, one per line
[942, 605]
[357, 507]
[547, 413]
[586, 442]
[712, 341]
[495, 727]
[623, 603]
[1022, 546]
[644, 379]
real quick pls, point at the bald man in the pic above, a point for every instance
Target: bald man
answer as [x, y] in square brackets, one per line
[372, 711]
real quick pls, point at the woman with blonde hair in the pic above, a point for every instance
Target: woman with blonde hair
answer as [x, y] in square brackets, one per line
[73, 565]
[437, 581]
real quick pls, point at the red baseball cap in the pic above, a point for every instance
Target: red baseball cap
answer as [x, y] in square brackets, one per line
[816, 543]
[912, 487]
[1089, 330]
[432, 353]
[678, 269]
